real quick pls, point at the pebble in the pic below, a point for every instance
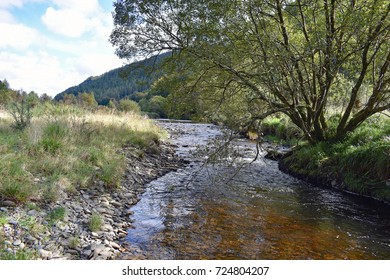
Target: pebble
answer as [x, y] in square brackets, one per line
[44, 254]
[107, 227]
[32, 213]
[17, 242]
[114, 245]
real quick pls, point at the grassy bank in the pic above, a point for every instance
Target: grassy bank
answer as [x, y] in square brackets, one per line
[66, 148]
[359, 164]
[63, 150]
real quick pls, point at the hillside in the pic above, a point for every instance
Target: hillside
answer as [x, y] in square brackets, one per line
[121, 82]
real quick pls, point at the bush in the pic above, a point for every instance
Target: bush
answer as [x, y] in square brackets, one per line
[21, 114]
[127, 105]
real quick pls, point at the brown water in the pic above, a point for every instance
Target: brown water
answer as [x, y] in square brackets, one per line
[260, 213]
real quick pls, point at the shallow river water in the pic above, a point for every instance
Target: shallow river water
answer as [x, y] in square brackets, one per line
[249, 211]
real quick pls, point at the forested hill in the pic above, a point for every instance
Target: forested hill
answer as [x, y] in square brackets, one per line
[121, 82]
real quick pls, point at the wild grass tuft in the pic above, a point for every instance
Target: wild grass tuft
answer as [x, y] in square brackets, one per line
[57, 214]
[95, 222]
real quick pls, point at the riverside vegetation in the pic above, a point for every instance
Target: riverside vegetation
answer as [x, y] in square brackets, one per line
[69, 176]
[359, 164]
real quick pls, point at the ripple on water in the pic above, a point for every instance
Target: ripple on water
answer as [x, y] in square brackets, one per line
[260, 213]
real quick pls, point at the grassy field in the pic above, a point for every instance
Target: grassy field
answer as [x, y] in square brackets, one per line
[66, 148]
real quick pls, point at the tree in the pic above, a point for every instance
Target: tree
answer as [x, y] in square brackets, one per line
[292, 57]
[87, 100]
[128, 105]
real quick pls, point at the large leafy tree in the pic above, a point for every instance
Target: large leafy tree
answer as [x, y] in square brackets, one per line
[312, 60]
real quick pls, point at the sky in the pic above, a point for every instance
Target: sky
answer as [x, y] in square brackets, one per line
[47, 46]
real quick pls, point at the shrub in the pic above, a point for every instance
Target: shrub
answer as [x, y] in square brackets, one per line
[127, 105]
[21, 114]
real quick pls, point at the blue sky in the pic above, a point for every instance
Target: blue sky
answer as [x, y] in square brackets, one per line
[47, 46]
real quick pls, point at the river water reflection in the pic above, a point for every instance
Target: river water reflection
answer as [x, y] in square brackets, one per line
[260, 213]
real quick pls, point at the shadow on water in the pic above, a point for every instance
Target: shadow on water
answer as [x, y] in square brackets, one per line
[261, 213]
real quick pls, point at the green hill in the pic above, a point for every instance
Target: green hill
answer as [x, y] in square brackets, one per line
[123, 82]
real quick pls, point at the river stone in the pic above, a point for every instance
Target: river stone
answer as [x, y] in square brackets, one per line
[101, 210]
[87, 253]
[114, 245]
[44, 254]
[107, 227]
[7, 203]
[13, 222]
[72, 252]
[32, 212]
[22, 246]
[3, 209]
[17, 242]
[116, 203]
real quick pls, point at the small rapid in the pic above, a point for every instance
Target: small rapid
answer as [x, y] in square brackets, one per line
[249, 210]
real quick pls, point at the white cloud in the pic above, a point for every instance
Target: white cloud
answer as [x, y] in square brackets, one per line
[17, 36]
[74, 18]
[6, 17]
[66, 22]
[9, 3]
[32, 59]
[37, 71]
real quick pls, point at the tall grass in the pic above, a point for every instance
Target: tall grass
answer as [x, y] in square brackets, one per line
[66, 148]
[361, 161]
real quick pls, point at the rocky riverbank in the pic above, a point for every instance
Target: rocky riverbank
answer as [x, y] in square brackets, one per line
[64, 230]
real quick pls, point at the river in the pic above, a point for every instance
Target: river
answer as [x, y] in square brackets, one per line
[249, 210]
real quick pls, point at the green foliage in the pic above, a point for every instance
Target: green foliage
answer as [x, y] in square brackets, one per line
[120, 83]
[87, 100]
[3, 219]
[127, 105]
[24, 254]
[66, 148]
[361, 160]
[57, 214]
[73, 242]
[53, 136]
[112, 172]
[282, 128]
[309, 60]
[21, 114]
[95, 222]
